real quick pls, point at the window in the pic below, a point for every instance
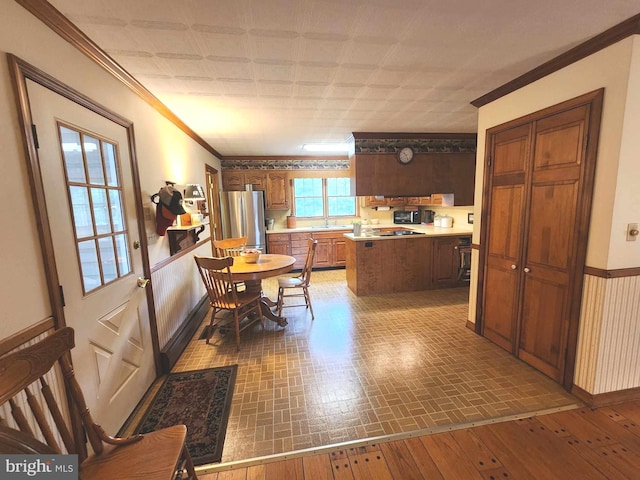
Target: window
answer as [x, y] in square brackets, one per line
[95, 194]
[323, 197]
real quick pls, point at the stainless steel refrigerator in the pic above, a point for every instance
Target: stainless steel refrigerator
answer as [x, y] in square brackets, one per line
[243, 216]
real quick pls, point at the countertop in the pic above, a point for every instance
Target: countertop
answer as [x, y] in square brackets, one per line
[428, 230]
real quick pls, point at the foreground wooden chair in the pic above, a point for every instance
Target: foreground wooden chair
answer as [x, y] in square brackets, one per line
[25, 373]
[301, 281]
[224, 295]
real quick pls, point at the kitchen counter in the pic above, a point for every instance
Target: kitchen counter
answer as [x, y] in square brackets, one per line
[330, 228]
[380, 264]
[427, 230]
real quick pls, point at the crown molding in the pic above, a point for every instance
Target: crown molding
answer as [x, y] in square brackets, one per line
[605, 39]
[60, 24]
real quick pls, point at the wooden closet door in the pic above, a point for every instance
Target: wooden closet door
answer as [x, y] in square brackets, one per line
[551, 243]
[509, 166]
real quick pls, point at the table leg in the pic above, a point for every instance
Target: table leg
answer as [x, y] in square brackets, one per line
[266, 303]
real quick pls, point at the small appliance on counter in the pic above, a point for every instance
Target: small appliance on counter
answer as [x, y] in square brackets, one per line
[428, 216]
[406, 217]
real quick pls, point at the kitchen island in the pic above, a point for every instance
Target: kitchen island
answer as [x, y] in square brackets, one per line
[391, 261]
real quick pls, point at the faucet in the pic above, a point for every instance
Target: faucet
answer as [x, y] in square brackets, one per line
[326, 221]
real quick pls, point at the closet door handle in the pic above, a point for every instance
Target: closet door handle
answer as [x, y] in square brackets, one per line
[527, 269]
[513, 267]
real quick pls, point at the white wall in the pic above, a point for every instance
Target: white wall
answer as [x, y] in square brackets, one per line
[605, 356]
[163, 151]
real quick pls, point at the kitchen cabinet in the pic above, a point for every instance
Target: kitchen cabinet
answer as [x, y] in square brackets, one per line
[279, 243]
[274, 184]
[237, 180]
[379, 201]
[330, 251]
[278, 191]
[382, 174]
[446, 261]
[538, 186]
[388, 266]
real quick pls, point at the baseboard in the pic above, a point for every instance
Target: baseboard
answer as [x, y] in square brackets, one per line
[471, 326]
[604, 399]
[171, 352]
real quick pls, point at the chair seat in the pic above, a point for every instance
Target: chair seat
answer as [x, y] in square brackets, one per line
[227, 302]
[150, 458]
[290, 282]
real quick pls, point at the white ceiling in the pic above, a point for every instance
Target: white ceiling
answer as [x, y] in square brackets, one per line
[263, 77]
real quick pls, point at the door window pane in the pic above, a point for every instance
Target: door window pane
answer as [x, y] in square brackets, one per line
[97, 207]
[116, 210]
[101, 210]
[91, 277]
[110, 164]
[72, 152]
[123, 254]
[108, 259]
[94, 160]
[81, 211]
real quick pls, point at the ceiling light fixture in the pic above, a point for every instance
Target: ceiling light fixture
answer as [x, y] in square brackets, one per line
[326, 147]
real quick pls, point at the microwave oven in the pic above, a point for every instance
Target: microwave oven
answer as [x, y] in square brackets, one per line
[402, 216]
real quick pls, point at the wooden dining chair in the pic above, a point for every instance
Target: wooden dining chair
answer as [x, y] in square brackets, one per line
[224, 295]
[25, 375]
[229, 247]
[301, 281]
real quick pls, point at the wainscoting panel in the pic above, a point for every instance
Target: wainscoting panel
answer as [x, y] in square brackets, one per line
[177, 288]
[609, 338]
[589, 332]
[620, 337]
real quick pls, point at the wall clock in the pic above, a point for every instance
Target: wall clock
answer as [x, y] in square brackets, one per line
[405, 155]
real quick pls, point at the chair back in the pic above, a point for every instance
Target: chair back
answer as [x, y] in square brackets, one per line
[305, 275]
[25, 375]
[218, 280]
[229, 247]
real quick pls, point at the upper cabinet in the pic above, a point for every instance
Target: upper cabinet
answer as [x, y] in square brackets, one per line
[274, 184]
[278, 191]
[440, 163]
[237, 180]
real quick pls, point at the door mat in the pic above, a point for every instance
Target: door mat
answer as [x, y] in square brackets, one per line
[199, 399]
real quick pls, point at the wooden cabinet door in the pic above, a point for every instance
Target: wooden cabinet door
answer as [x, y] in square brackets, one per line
[277, 191]
[232, 180]
[258, 180]
[339, 252]
[509, 167]
[549, 262]
[323, 253]
[396, 201]
[445, 261]
[373, 201]
[280, 248]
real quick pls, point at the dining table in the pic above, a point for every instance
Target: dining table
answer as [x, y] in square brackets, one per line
[252, 274]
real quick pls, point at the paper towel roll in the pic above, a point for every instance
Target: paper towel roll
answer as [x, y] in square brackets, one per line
[383, 209]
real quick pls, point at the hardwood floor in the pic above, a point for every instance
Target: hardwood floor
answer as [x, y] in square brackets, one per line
[575, 444]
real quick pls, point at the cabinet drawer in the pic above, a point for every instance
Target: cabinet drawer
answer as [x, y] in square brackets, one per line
[300, 236]
[277, 237]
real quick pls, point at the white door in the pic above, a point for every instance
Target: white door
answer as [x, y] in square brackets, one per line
[88, 189]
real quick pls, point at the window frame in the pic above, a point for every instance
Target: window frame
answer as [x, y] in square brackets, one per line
[325, 200]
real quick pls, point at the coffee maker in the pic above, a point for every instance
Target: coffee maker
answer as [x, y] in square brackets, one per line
[427, 216]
